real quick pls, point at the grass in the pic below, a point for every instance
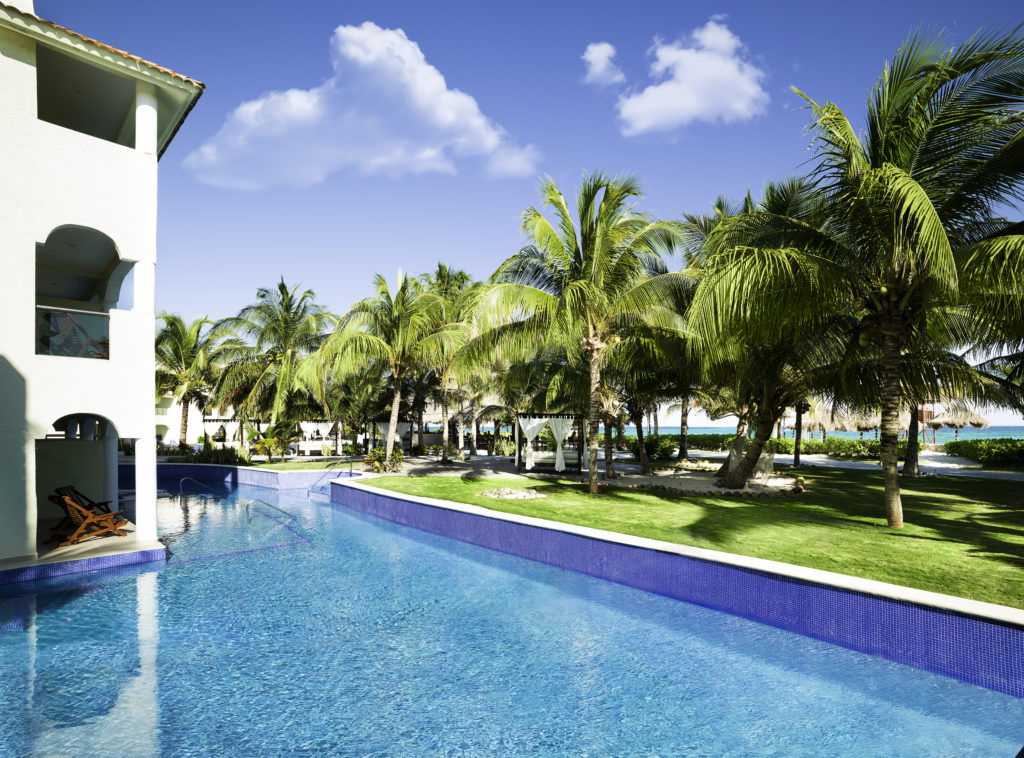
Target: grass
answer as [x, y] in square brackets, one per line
[963, 537]
[292, 465]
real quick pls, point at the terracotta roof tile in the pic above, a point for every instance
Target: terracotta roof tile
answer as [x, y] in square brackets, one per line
[97, 43]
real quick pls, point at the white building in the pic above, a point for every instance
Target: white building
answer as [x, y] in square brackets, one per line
[82, 126]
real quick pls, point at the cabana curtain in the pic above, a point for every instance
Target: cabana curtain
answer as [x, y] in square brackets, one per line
[560, 428]
[531, 428]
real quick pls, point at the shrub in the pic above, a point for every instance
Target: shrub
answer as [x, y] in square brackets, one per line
[419, 450]
[837, 447]
[709, 441]
[326, 448]
[378, 462]
[504, 446]
[228, 456]
[658, 447]
[351, 449]
[454, 451]
[995, 452]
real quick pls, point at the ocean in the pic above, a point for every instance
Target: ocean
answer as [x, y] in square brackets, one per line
[941, 435]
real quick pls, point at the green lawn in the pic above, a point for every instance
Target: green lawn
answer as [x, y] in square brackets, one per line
[293, 465]
[962, 536]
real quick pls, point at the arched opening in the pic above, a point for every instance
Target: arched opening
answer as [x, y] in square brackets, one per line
[81, 452]
[79, 279]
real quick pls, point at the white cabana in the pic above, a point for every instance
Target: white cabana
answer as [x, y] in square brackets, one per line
[529, 427]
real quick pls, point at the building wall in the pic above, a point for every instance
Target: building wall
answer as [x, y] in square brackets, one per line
[168, 414]
[51, 177]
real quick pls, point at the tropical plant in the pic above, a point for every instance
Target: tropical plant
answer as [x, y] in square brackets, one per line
[456, 294]
[186, 358]
[396, 331]
[270, 339]
[583, 281]
[905, 244]
[277, 440]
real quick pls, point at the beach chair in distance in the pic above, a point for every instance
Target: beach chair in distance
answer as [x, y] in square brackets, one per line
[764, 468]
[736, 452]
[88, 524]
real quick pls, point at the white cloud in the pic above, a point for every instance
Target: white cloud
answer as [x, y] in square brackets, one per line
[705, 79]
[600, 68]
[384, 109]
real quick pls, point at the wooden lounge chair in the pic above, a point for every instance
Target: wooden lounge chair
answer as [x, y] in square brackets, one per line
[83, 500]
[65, 526]
[88, 524]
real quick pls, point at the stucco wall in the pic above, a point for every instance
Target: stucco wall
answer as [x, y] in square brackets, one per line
[52, 177]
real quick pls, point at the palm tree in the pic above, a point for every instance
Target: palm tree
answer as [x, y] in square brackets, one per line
[582, 281]
[186, 357]
[911, 200]
[399, 331]
[904, 245]
[271, 337]
[456, 293]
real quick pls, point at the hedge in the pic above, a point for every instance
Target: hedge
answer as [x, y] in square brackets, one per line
[996, 452]
[659, 447]
[838, 447]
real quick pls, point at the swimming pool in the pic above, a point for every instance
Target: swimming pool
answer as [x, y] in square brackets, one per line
[337, 633]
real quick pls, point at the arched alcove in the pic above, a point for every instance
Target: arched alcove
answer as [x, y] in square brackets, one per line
[81, 452]
[80, 276]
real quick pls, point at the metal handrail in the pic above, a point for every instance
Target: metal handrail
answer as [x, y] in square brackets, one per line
[327, 473]
[190, 479]
[65, 309]
[249, 502]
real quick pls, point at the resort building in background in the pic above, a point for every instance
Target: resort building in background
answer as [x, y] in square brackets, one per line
[82, 128]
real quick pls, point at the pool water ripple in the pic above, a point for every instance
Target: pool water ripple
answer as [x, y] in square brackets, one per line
[366, 638]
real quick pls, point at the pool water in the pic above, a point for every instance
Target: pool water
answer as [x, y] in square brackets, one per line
[335, 633]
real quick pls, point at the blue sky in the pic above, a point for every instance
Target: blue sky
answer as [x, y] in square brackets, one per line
[338, 140]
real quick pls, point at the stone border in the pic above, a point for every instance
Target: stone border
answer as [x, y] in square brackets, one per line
[924, 629]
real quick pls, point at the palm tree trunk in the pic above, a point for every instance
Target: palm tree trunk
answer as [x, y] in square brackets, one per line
[183, 431]
[609, 453]
[620, 433]
[684, 431]
[798, 433]
[655, 414]
[737, 478]
[595, 413]
[419, 428]
[638, 420]
[444, 425]
[741, 432]
[890, 429]
[389, 444]
[911, 465]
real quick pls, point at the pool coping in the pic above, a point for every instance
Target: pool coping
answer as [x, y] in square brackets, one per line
[986, 611]
[27, 570]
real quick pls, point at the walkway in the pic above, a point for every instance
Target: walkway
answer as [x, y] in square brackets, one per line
[489, 467]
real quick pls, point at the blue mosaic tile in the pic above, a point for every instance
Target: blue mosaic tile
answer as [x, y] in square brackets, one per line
[979, 651]
[61, 568]
[169, 474]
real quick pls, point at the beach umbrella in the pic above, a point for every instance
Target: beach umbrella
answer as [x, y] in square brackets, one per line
[957, 417]
[823, 418]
